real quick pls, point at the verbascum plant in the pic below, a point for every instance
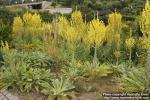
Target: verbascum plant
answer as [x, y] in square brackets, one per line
[78, 23]
[96, 32]
[71, 31]
[18, 26]
[145, 25]
[145, 20]
[113, 32]
[130, 42]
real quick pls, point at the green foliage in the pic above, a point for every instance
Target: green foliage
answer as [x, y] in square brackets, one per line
[24, 77]
[85, 70]
[39, 60]
[137, 80]
[7, 15]
[82, 53]
[60, 89]
[75, 71]
[33, 59]
[5, 31]
[99, 71]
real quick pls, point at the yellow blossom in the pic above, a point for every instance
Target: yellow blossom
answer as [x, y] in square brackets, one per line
[145, 20]
[63, 25]
[130, 42]
[96, 32]
[117, 54]
[78, 23]
[145, 42]
[18, 26]
[114, 28]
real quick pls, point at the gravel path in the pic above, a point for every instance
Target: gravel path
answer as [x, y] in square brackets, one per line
[5, 95]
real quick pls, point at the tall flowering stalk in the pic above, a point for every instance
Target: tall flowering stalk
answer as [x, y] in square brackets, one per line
[129, 44]
[145, 25]
[30, 24]
[113, 33]
[30, 29]
[145, 20]
[78, 23]
[95, 35]
[72, 30]
[18, 25]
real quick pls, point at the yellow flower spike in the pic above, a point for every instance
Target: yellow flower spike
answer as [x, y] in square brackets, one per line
[27, 19]
[117, 54]
[63, 26]
[144, 42]
[72, 31]
[18, 25]
[114, 27]
[96, 32]
[145, 20]
[130, 42]
[30, 25]
[78, 23]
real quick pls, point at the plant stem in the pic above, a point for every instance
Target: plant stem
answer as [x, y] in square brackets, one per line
[73, 55]
[95, 56]
[117, 62]
[130, 60]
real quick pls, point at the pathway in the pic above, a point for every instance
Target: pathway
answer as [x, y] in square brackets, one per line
[5, 95]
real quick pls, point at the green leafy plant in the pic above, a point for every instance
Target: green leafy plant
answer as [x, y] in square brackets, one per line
[99, 71]
[33, 59]
[75, 71]
[137, 80]
[38, 59]
[5, 30]
[24, 77]
[59, 89]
